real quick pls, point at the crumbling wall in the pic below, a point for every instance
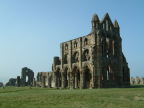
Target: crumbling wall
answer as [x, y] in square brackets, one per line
[137, 80]
[95, 60]
[44, 79]
[11, 82]
[27, 74]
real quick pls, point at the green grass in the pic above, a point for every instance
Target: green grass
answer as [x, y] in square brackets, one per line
[24, 97]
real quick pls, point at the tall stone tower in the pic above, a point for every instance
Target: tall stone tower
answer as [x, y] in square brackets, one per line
[93, 61]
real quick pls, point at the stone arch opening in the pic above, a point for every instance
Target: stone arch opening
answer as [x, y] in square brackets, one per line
[65, 77]
[108, 73]
[27, 79]
[65, 58]
[76, 57]
[66, 46]
[75, 44]
[107, 54]
[76, 77]
[86, 55]
[58, 77]
[27, 76]
[44, 81]
[113, 49]
[85, 41]
[87, 77]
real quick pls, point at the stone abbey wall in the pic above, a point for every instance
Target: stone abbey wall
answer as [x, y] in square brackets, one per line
[92, 61]
[44, 79]
[27, 77]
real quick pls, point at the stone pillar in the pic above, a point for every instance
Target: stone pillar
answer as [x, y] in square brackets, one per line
[72, 81]
[99, 60]
[76, 80]
[63, 80]
[59, 80]
[68, 78]
[18, 81]
[81, 80]
[93, 78]
[80, 65]
[55, 80]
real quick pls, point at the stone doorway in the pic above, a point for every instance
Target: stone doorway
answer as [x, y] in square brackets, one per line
[87, 77]
[65, 78]
[58, 78]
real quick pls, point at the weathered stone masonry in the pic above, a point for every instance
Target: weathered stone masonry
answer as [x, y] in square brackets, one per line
[44, 79]
[27, 76]
[93, 61]
[26, 79]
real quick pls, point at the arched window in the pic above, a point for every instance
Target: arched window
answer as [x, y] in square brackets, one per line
[107, 54]
[76, 57]
[87, 77]
[76, 77]
[75, 44]
[103, 25]
[65, 77]
[86, 55]
[65, 58]
[107, 25]
[108, 43]
[108, 73]
[113, 50]
[66, 46]
[58, 77]
[85, 41]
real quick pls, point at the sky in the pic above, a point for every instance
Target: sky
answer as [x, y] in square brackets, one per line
[31, 31]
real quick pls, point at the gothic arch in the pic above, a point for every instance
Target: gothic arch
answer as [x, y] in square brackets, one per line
[66, 76]
[86, 64]
[66, 58]
[58, 77]
[75, 66]
[76, 57]
[27, 76]
[66, 46]
[76, 77]
[87, 75]
[85, 41]
[86, 55]
[75, 44]
[109, 72]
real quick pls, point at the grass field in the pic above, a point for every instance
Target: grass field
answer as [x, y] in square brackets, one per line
[12, 97]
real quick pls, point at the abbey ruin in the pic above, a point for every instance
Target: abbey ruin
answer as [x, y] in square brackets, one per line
[26, 78]
[92, 61]
[95, 60]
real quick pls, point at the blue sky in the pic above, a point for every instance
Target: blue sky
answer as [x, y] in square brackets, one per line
[31, 31]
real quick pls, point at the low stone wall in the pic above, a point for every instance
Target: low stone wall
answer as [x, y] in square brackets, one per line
[44, 79]
[137, 80]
